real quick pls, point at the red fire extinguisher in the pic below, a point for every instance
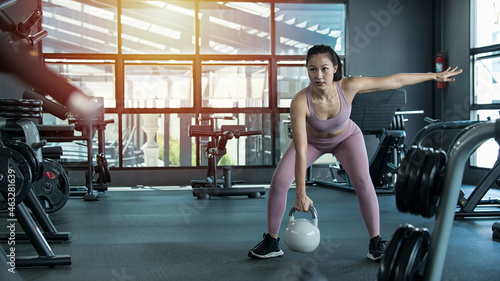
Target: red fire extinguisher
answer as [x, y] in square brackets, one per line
[440, 67]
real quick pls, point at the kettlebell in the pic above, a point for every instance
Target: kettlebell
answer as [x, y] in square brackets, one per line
[302, 235]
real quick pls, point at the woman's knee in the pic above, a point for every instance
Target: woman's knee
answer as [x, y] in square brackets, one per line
[362, 183]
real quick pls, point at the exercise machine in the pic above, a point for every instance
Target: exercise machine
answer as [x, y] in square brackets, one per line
[15, 48]
[429, 184]
[467, 205]
[17, 173]
[377, 114]
[21, 167]
[89, 128]
[215, 148]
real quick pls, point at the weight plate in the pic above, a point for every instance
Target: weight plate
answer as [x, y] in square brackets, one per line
[437, 181]
[15, 172]
[392, 126]
[428, 171]
[11, 114]
[98, 169]
[21, 102]
[413, 257]
[392, 253]
[413, 188]
[430, 183]
[20, 108]
[402, 181]
[103, 167]
[28, 153]
[52, 189]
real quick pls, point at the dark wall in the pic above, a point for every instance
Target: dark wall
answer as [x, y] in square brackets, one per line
[391, 36]
[456, 42]
[456, 99]
[408, 41]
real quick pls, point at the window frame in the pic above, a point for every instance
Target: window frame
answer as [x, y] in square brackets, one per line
[272, 60]
[483, 52]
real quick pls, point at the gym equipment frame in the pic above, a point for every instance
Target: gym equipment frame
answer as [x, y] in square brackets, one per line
[467, 205]
[460, 151]
[215, 148]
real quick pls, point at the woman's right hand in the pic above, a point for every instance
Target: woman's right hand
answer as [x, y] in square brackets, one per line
[303, 203]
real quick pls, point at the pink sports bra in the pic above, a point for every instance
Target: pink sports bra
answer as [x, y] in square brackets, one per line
[330, 125]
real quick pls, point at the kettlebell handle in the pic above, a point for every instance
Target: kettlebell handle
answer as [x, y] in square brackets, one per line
[311, 209]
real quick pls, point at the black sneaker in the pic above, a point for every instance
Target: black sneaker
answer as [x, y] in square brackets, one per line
[377, 248]
[267, 248]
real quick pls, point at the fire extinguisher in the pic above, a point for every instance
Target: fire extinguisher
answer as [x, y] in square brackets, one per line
[440, 67]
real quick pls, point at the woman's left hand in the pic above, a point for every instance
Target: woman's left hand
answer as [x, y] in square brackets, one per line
[446, 76]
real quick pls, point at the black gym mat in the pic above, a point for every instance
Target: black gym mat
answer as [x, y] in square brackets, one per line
[163, 234]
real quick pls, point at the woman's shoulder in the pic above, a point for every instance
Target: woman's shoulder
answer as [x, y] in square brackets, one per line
[300, 98]
[349, 86]
[300, 95]
[346, 82]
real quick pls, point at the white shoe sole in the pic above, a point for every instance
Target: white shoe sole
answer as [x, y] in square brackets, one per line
[371, 257]
[267, 256]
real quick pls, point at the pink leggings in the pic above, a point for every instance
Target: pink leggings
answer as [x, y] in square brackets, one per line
[349, 149]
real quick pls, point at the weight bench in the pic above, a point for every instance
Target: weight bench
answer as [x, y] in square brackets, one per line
[215, 148]
[377, 114]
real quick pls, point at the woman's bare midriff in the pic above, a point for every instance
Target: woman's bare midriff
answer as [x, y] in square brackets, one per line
[325, 135]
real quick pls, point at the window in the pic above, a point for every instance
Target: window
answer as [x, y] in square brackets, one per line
[161, 65]
[158, 84]
[157, 27]
[301, 25]
[292, 77]
[235, 84]
[485, 58]
[235, 28]
[95, 78]
[80, 26]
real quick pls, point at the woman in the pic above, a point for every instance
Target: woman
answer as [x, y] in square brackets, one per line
[320, 124]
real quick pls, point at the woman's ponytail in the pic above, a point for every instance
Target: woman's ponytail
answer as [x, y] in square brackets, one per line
[338, 74]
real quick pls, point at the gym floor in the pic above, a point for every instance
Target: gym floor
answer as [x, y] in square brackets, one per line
[164, 233]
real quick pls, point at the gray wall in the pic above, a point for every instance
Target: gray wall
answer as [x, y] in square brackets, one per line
[390, 36]
[455, 100]
[456, 42]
